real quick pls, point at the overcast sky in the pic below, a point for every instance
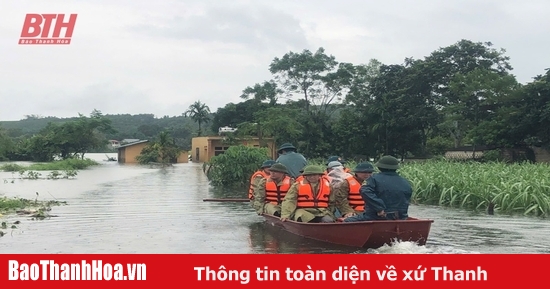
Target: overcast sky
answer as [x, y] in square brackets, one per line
[158, 57]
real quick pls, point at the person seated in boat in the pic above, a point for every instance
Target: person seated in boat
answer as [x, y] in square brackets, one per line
[294, 161]
[331, 166]
[271, 191]
[338, 159]
[348, 192]
[262, 173]
[310, 200]
[386, 194]
[335, 174]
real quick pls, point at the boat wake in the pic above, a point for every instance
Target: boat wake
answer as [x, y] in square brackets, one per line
[399, 247]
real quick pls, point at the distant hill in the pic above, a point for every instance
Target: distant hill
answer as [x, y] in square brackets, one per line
[139, 126]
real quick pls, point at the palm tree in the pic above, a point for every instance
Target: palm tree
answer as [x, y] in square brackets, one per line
[199, 113]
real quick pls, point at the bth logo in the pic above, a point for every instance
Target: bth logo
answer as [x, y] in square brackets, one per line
[37, 27]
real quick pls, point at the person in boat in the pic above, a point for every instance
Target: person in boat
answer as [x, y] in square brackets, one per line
[293, 161]
[338, 159]
[271, 191]
[310, 200]
[260, 174]
[332, 165]
[335, 173]
[386, 194]
[348, 192]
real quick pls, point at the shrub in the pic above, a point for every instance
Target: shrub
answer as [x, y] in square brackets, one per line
[235, 165]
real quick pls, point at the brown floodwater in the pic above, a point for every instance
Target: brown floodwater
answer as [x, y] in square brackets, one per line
[114, 208]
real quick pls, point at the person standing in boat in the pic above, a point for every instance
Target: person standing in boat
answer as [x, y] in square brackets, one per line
[270, 192]
[387, 195]
[310, 200]
[262, 173]
[348, 192]
[294, 161]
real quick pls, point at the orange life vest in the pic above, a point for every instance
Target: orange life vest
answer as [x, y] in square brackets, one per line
[299, 178]
[306, 197]
[354, 198]
[276, 195]
[347, 170]
[251, 189]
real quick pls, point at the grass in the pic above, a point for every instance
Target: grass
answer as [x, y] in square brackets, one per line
[521, 188]
[38, 210]
[10, 205]
[63, 165]
[507, 188]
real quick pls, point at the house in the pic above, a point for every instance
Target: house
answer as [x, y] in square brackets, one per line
[113, 143]
[466, 152]
[226, 129]
[128, 141]
[203, 148]
[127, 153]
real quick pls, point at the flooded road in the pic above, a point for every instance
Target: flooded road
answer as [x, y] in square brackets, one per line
[114, 208]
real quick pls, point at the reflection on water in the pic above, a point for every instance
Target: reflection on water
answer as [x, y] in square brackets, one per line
[116, 208]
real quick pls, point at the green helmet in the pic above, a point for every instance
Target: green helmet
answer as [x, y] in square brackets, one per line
[286, 146]
[278, 167]
[313, 170]
[364, 168]
[388, 162]
[267, 164]
[335, 159]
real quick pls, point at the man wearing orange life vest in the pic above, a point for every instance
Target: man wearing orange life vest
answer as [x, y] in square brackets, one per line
[262, 173]
[271, 191]
[350, 200]
[309, 200]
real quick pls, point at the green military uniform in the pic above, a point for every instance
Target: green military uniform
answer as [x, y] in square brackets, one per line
[342, 193]
[387, 195]
[256, 181]
[259, 203]
[289, 208]
[341, 196]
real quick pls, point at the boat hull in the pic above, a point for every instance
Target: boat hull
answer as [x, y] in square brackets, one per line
[368, 234]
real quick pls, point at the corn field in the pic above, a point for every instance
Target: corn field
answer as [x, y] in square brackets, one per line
[508, 188]
[522, 188]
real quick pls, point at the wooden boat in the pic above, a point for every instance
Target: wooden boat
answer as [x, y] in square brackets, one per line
[368, 234]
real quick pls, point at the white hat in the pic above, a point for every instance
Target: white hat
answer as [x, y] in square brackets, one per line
[334, 164]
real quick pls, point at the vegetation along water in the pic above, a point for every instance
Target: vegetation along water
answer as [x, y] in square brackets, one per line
[461, 98]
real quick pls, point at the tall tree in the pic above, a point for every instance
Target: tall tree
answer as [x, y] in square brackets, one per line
[198, 112]
[268, 90]
[477, 94]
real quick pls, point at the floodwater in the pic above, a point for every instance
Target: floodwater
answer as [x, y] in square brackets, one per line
[124, 208]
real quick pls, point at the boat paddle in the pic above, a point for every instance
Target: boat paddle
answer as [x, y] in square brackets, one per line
[236, 200]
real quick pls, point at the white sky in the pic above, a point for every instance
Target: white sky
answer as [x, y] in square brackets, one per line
[158, 57]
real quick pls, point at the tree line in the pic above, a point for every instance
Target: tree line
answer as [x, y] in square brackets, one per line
[460, 95]
[47, 133]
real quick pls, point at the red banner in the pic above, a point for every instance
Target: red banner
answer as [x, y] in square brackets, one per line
[273, 271]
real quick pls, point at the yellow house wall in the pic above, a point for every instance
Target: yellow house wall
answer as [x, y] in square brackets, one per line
[183, 157]
[200, 145]
[206, 147]
[131, 152]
